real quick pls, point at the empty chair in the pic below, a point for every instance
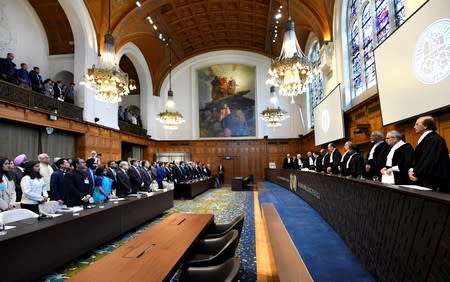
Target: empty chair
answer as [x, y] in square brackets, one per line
[50, 207]
[209, 252]
[225, 272]
[15, 215]
[220, 229]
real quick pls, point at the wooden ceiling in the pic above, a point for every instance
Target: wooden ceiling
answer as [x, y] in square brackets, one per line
[193, 26]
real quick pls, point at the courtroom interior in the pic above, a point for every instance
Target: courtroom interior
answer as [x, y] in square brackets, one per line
[238, 140]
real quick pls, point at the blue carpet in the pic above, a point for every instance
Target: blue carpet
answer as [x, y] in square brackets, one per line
[325, 254]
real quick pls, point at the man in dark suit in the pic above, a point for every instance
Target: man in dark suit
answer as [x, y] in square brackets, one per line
[111, 173]
[376, 159]
[37, 83]
[333, 160]
[137, 182]
[57, 187]
[77, 184]
[221, 171]
[354, 163]
[431, 166]
[123, 180]
[399, 158]
[8, 68]
[287, 161]
[146, 175]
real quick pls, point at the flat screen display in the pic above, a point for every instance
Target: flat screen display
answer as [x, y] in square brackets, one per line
[413, 64]
[329, 118]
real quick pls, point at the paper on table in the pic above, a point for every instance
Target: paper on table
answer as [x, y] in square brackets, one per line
[54, 214]
[388, 179]
[9, 227]
[416, 187]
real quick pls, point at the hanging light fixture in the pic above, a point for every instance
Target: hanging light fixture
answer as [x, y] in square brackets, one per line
[273, 115]
[170, 119]
[291, 71]
[108, 81]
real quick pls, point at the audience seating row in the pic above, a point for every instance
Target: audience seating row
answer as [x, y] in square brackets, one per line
[213, 257]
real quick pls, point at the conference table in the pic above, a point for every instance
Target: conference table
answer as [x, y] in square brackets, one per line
[154, 255]
[35, 247]
[192, 188]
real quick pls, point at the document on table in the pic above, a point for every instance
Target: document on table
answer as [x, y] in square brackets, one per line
[416, 187]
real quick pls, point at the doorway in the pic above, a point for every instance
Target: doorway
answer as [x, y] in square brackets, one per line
[231, 168]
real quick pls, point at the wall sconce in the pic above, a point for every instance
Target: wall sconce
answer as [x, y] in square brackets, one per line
[49, 130]
[54, 115]
[96, 119]
[362, 128]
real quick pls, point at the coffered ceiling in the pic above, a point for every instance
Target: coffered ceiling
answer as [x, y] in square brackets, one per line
[193, 26]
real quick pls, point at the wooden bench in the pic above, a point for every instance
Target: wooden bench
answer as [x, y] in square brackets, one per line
[288, 261]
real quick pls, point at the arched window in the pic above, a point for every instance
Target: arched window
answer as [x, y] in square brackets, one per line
[315, 87]
[369, 23]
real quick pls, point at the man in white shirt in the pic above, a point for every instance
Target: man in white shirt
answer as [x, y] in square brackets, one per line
[45, 169]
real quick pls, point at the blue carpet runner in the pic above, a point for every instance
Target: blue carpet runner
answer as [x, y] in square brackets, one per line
[325, 254]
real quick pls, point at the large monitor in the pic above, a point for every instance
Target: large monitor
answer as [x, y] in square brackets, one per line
[413, 64]
[329, 118]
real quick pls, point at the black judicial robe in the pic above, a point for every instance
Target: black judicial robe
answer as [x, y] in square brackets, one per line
[403, 158]
[378, 161]
[432, 163]
[355, 167]
[343, 164]
[336, 159]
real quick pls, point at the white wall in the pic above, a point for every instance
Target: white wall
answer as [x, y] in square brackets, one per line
[184, 85]
[59, 63]
[22, 33]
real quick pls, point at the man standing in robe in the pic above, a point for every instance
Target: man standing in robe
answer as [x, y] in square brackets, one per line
[431, 166]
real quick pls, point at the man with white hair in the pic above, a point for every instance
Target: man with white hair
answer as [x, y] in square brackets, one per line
[124, 186]
[46, 169]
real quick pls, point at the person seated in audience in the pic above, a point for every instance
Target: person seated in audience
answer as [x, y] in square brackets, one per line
[354, 164]
[376, 157]
[123, 186]
[77, 184]
[333, 159]
[7, 186]
[8, 69]
[399, 159]
[23, 78]
[33, 187]
[57, 188]
[343, 161]
[36, 80]
[48, 87]
[103, 185]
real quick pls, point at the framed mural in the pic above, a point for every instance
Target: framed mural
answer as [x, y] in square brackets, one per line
[226, 99]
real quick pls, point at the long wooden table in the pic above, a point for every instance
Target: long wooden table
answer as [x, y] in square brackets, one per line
[36, 247]
[191, 189]
[154, 255]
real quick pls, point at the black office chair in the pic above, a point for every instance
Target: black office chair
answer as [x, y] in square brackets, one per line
[215, 251]
[225, 272]
[220, 229]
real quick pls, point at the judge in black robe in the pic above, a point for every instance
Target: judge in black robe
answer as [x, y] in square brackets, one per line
[287, 161]
[402, 158]
[431, 166]
[334, 158]
[376, 161]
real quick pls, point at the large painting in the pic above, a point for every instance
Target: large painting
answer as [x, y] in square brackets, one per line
[226, 100]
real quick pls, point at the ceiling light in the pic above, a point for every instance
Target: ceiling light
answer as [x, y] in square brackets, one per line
[291, 71]
[138, 3]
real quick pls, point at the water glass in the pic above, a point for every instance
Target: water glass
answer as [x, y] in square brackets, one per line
[2, 229]
[375, 178]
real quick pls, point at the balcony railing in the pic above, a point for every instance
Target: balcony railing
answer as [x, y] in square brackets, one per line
[131, 128]
[22, 96]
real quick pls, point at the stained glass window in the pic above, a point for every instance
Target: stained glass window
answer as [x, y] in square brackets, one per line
[369, 24]
[315, 88]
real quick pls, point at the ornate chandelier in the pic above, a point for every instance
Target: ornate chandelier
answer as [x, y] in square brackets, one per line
[291, 71]
[108, 81]
[273, 115]
[170, 118]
